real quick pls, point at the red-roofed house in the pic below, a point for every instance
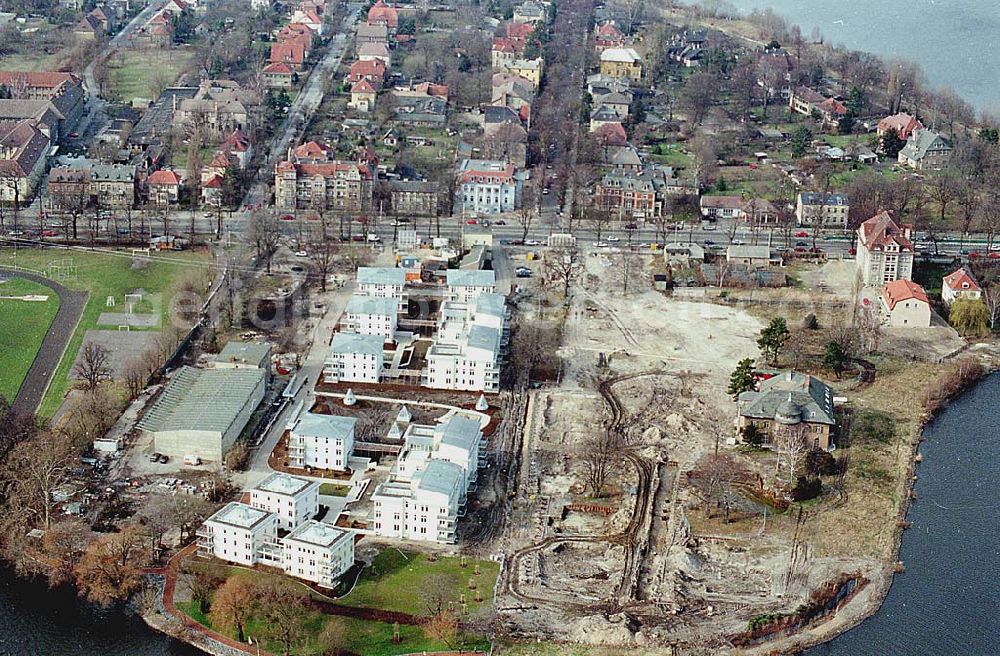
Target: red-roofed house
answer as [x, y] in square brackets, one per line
[164, 187]
[506, 51]
[293, 54]
[372, 71]
[309, 18]
[363, 96]
[885, 252]
[382, 14]
[175, 6]
[237, 146]
[905, 303]
[960, 284]
[519, 30]
[611, 134]
[278, 75]
[431, 89]
[607, 35]
[805, 101]
[489, 186]
[211, 190]
[311, 178]
[902, 123]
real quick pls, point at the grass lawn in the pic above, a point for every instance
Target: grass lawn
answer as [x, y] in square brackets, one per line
[30, 62]
[332, 489]
[106, 275]
[23, 325]
[671, 155]
[134, 71]
[398, 581]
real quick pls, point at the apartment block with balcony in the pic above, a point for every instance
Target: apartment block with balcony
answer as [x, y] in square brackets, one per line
[371, 315]
[425, 507]
[383, 282]
[321, 441]
[354, 358]
[318, 552]
[294, 500]
[238, 534]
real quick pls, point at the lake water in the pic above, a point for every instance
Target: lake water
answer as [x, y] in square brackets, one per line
[956, 42]
[36, 621]
[947, 602]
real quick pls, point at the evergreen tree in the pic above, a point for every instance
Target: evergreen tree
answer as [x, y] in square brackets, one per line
[772, 338]
[800, 141]
[741, 380]
[834, 358]
[892, 144]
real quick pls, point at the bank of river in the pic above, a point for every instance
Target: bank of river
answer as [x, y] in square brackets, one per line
[952, 40]
[945, 604]
[35, 620]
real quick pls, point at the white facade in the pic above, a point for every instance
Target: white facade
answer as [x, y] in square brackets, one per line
[318, 552]
[489, 187]
[238, 533]
[383, 282]
[354, 358]
[465, 286]
[884, 253]
[371, 315]
[294, 500]
[321, 441]
[425, 507]
[467, 350]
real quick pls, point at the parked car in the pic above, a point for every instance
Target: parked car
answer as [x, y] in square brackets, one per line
[472, 222]
[154, 457]
[49, 233]
[614, 240]
[802, 233]
[500, 222]
[600, 244]
[523, 272]
[631, 226]
[802, 243]
[287, 217]
[737, 242]
[301, 254]
[164, 458]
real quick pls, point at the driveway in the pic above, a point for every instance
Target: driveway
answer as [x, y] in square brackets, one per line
[71, 305]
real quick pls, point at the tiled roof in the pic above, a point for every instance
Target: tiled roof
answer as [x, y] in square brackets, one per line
[961, 280]
[902, 290]
[881, 230]
[163, 177]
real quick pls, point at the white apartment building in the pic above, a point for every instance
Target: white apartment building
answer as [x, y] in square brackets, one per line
[822, 210]
[425, 507]
[885, 252]
[239, 534]
[488, 186]
[354, 358]
[467, 351]
[457, 440]
[318, 552]
[383, 282]
[466, 285]
[371, 315]
[321, 441]
[294, 500]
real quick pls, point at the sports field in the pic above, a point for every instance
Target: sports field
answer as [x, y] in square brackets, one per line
[23, 325]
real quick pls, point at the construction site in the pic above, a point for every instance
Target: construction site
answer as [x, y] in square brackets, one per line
[638, 561]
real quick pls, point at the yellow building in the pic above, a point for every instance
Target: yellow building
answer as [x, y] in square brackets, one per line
[530, 69]
[621, 63]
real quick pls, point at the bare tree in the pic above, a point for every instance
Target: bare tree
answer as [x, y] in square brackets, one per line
[992, 299]
[283, 612]
[562, 265]
[265, 234]
[111, 568]
[712, 479]
[31, 474]
[601, 457]
[322, 254]
[869, 326]
[94, 365]
[791, 444]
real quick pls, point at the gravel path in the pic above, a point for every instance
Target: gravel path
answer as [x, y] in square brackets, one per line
[71, 305]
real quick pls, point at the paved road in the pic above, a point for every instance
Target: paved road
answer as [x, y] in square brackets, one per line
[71, 305]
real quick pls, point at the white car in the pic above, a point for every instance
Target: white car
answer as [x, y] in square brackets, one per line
[614, 240]
[600, 244]
[737, 242]
[301, 254]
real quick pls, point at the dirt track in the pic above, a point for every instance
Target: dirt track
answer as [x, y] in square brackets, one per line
[71, 305]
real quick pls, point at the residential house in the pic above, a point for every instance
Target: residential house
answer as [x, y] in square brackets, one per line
[884, 251]
[632, 194]
[318, 552]
[960, 284]
[237, 534]
[237, 147]
[621, 64]
[515, 92]
[617, 101]
[611, 135]
[806, 101]
[760, 212]
[904, 125]
[925, 150]
[529, 69]
[382, 14]
[905, 303]
[69, 188]
[505, 51]
[603, 115]
[423, 507]
[279, 75]
[23, 149]
[383, 282]
[368, 33]
[416, 198]
[90, 28]
[789, 407]
[419, 109]
[308, 17]
[363, 96]
[822, 210]
[294, 500]
[530, 12]
[310, 177]
[113, 185]
[722, 207]
[219, 106]
[373, 51]
[489, 186]
[751, 257]
[372, 71]
[622, 158]
[607, 35]
[293, 54]
[318, 441]
[61, 94]
[164, 187]
[354, 358]
[371, 315]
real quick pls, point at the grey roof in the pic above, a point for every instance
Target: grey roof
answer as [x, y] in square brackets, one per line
[484, 337]
[282, 483]
[378, 31]
[414, 186]
[318, 533]
[815, 198]
[361, 304]
[381, 276]
[461, 431]
[240, 515]
[493, 115]
[202, 399]
[252, 352]
[921, 142]
[812, 397]
[439, 476]
[471, 278]
[605, 113]
[112, 172]
[492, 304]
[333, 427]
[746, 250]
[351, 343]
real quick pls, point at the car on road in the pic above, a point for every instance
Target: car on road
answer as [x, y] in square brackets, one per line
[74, 135]
[287, 217]
[400, 222]
[155, 457]
[523, 272]
[501, 222]
[801, 244]
[373, 238]
[358, 238]
[709, 243]
[737, 242]
[545, 192]
[164, 459]
[631, 226]
[995, 247]
[49, 233]
[532, 242]
[600, 244]
[472, 222]
[614, 240]
[301, 254]
[801, 233]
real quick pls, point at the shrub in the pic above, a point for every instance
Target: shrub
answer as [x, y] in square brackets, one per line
[810, 322]
[807, 488]
[821, 463]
